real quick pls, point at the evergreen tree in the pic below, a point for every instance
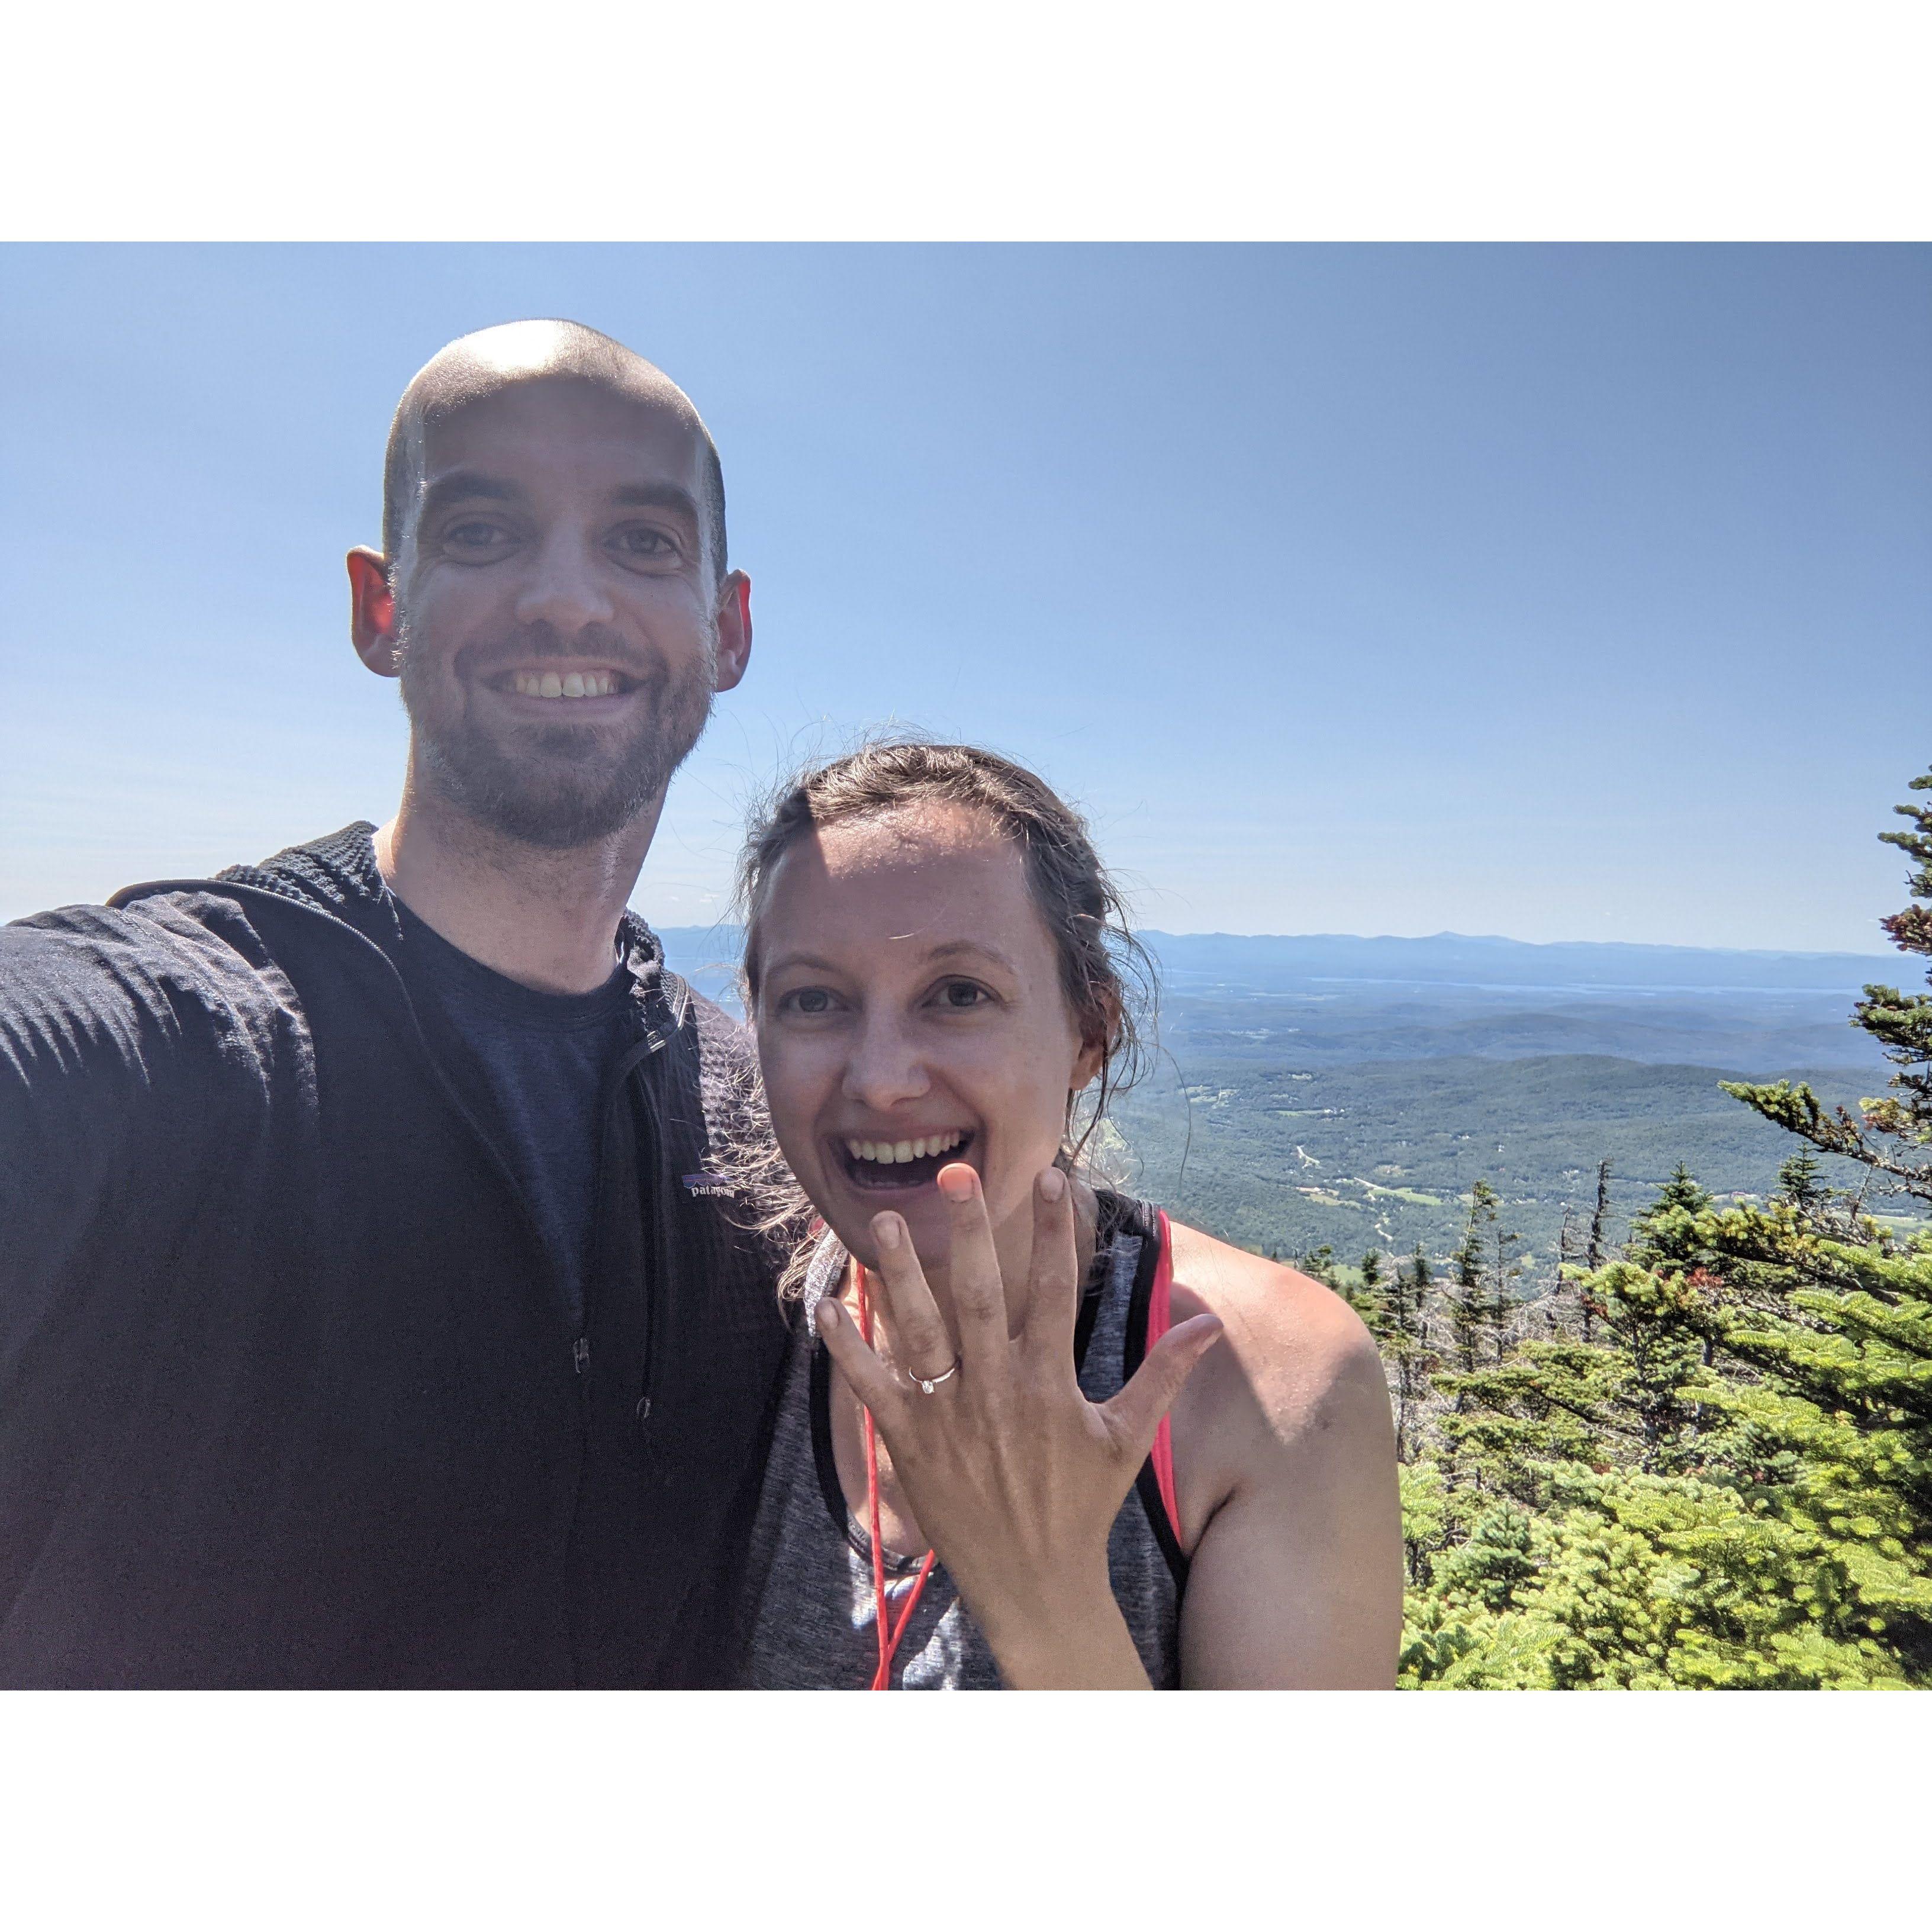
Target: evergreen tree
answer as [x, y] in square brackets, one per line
[1318, 1265]
[1596, 1252]
[1665, 1234]
[1472, 1310]
[1724, 1478]
[1836, 1312]
[1418, 1358]
[1800, 1182]
[1403, 1338]
[1368, 1297]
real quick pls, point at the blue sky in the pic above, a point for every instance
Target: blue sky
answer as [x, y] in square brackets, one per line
[1560, 592]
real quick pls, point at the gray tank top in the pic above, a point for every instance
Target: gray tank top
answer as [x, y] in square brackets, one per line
[811, 1601]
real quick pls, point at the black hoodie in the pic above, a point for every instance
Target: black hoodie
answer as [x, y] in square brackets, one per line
[289, 1394]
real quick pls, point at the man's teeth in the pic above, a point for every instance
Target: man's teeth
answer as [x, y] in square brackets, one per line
[571, 684]
[886, 1153]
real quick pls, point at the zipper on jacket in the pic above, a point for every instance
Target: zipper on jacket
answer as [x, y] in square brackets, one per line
[640, 1051]
[664, 1207]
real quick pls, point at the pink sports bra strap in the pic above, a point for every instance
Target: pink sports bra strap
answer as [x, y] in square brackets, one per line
[1158, 1319]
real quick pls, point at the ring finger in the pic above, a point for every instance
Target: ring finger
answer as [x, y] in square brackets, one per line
[921, 1344]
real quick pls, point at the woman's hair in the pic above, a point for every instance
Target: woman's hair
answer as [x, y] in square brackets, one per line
[1105, 975]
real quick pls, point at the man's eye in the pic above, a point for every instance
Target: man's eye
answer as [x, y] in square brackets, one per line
[641, 540]
[478, 536]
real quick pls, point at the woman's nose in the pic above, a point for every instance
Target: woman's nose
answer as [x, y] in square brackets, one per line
[884, 1068]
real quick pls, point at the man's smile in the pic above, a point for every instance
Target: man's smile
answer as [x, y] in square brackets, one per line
[589, 690]
[571, 684]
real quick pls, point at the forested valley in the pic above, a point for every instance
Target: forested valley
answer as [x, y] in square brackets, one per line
[1700, 1456]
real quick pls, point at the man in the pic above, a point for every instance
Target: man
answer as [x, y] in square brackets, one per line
[370, 1312]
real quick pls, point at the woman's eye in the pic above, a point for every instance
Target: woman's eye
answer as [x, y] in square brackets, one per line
[806, 1000]
[962, 995]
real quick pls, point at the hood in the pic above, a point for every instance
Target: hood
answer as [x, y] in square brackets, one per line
[337, 875]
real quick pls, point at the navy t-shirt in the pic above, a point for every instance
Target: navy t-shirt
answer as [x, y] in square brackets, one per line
[533, 1066]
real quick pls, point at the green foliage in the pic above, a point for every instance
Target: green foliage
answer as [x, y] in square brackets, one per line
[1632, 1582]
[1712, 1466]
[1319, 1264]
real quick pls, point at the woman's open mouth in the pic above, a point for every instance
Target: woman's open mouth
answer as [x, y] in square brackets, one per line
[894, 1165]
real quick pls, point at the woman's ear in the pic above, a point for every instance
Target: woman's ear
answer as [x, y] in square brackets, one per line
[1088, 1068]
[1103, 1028]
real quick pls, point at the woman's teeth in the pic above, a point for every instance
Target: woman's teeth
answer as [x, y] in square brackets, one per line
[571, 684]
[886, 1153]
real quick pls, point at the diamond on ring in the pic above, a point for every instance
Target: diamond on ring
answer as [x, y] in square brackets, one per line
[927, 1383]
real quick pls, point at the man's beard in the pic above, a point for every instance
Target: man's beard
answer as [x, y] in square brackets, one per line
[559, 786]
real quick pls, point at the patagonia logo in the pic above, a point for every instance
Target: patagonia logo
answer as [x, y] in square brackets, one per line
[708, 1183]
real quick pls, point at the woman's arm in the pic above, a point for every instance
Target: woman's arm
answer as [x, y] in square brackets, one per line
[1283, 1441]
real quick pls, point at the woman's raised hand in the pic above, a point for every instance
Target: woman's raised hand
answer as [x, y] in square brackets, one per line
[1014, 1475]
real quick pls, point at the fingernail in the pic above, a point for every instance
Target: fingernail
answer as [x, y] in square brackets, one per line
[1052, 1184]
[885, 1231]
[955, 1182]
[827, 1315]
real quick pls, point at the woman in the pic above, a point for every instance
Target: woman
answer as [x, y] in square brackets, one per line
[971, 1482]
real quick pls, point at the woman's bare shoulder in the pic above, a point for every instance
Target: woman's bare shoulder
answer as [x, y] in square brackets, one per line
[1295, 1359]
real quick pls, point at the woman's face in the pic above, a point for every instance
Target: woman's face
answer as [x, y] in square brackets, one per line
[910, 1014]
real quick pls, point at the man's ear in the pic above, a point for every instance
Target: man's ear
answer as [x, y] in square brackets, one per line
[372, 611]
[734, 629]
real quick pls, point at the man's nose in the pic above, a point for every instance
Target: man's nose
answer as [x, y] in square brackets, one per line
[885, 1067]
[566, 588]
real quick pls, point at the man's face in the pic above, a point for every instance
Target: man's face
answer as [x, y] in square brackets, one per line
[555, 622]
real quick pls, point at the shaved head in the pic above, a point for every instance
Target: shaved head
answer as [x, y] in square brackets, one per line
[474, 366]
[553, 591]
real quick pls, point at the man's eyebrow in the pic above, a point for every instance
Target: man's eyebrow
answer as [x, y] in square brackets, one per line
[463, 486]
[656, 496]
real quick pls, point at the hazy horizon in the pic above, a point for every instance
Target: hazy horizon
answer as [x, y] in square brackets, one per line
[1153, 932]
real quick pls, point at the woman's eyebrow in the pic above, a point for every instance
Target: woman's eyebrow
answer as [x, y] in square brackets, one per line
[953, 948]
[811, 960]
